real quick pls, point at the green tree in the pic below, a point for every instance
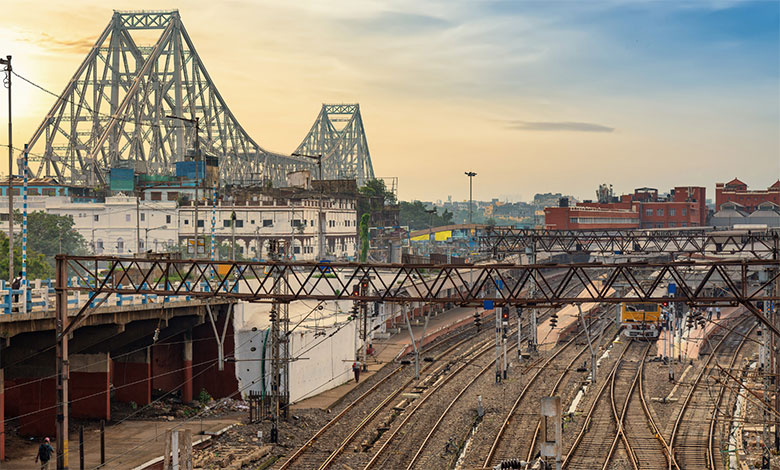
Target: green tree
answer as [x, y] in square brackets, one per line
[50, 234]
[37, 263]
[415, 215]
[365, 220]
[373, 194]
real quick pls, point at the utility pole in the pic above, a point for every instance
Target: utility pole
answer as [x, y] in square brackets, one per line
[431, 235]
[63, 367]
[471, 175]
[320, 221]
[499, 375]
[7, 82]
[233, 234]
[519, 330]
[138, 223]
[364, 312]
[198, 168]
[590, 344]
[530, 251]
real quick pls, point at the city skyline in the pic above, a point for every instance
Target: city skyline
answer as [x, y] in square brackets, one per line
[448, 87]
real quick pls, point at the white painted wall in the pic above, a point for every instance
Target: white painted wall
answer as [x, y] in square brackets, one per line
[325, 361]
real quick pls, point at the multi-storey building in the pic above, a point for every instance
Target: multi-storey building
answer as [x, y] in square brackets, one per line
[748, 199]
[685, 206]
[252, 217]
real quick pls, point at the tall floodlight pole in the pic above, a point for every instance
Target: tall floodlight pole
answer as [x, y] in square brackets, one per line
[320, 232]
[196, 122]
[7, 83]
[471, 175]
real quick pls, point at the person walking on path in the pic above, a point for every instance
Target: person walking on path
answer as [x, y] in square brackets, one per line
[356, 370]
[45, 452]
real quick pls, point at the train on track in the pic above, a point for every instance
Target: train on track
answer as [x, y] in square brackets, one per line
[640, 319]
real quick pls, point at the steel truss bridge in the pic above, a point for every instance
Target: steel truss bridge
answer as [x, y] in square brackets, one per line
[501, 241]
[114, 113]
[698, 283]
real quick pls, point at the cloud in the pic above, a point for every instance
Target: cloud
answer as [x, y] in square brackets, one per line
[567, 126]
[74, 46]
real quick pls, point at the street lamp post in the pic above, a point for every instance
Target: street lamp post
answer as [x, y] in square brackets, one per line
[471, 175]
[320, 233]
[430, 230]
[146, 235]
[196, 122]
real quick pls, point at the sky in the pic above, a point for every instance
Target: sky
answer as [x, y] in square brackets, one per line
[534, 96]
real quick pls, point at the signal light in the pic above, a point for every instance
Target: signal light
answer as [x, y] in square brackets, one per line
[505, 314]
[477, 320]
[356, 290]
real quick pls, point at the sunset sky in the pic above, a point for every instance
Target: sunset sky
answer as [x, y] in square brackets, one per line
[549, 96]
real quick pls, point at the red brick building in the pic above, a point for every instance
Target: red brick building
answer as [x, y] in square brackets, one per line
[738, 192]
[587, 218]
[684, 207]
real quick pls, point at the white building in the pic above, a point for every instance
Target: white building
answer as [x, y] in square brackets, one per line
[111, 227]
[122, 225]
[262, 217]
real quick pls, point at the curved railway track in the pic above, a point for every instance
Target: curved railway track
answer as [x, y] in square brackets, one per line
[313, 461]
[593, 445]
[502, 443]
[692, 446]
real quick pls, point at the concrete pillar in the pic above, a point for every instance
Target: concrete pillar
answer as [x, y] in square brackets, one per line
[132, 377]
[90, 383]
[34, 401]
[186, 391]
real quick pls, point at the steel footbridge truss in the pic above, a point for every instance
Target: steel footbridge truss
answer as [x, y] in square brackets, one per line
[114, 112]
[338, 136]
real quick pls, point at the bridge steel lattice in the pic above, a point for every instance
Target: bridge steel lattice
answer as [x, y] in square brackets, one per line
[338, 136]
[506, 240]
[113, 112]
[718, 283]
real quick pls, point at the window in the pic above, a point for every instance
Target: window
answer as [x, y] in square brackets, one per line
[200, 223]
[141, 243]
[239, 223]
[127, 217]
[297, 250]
[120, 245]
[659, 212]
[659, 225]
[226, 223]
[99, 246]
[672, 212]
[173, 195]
[684, 212]
[685, 224]
[143, 216]
[649, 212]
[156, 196]
[251, 222]
[672, 224]
[186, 221]
[167, 219]
[96, 218]
[268, 223]
[49, 191]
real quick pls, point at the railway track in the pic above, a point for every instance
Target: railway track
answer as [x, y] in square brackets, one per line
[692, 443]
[593, 445]
[325, 446]
[516, 427]
[314, 456]
[613, 422]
